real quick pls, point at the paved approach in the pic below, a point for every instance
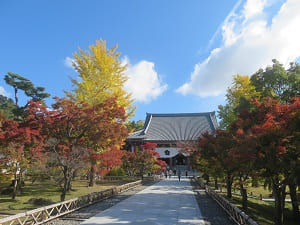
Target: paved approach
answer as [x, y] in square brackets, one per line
[166, 202]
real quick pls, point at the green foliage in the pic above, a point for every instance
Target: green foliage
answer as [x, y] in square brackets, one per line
[11, 109]
[133, 126]
[7, 107]
[237, 97]
[276, 82]
[116, 172]
[21, 83]
[227, 116]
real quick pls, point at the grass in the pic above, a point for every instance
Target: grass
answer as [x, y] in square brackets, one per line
[263, 212]
[256, 191]
[50, 191]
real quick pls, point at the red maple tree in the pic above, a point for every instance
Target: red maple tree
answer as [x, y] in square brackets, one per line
[274, 134]
[21, 143]
[77, 131]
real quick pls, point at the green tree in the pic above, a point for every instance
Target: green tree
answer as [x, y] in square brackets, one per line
[20, 83]
[277, 82]
[7, 107]
[237, 97]
[133, 126]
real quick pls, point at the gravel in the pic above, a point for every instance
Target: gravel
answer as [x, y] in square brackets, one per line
[212, 213]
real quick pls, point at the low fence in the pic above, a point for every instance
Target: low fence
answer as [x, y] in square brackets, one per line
[44, 214]
[147, 178]
[234, 212]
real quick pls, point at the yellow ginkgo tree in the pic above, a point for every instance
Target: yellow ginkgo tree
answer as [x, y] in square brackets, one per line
[101, 77]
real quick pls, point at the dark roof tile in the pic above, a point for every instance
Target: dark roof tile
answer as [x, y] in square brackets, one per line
[175, 127]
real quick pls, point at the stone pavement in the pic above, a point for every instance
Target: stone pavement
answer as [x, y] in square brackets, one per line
[166, 202]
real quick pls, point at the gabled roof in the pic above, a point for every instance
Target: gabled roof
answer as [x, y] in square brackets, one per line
[175, 127]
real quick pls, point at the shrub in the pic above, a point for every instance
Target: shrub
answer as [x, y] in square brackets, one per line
[116, 172]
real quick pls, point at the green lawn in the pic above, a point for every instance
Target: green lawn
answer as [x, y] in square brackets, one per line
[50, 191]
[256, 191]
[262, 212]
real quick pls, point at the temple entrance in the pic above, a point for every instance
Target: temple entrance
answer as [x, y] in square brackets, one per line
[180, 159]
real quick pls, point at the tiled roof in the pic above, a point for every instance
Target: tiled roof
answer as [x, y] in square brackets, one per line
[175, 127]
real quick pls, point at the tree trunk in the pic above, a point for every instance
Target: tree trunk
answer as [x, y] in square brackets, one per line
[229, 185]
[16, 97]
[69, 186]
[66, 184]
[294, 199]
[283, 195]
[278, 214]
[20, 182]
[244, 198]
[254, 181]
[92, 176]
[14, 193]
[142, 173]
[216, 183]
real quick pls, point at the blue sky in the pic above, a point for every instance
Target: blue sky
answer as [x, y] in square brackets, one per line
[182, 54]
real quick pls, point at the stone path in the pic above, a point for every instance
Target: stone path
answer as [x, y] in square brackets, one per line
[80, 215]
[166, 202]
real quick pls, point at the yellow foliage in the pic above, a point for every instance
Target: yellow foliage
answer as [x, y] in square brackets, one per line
[241, 87]
[101, 76]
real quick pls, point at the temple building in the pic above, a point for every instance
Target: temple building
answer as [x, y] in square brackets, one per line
[170, 130]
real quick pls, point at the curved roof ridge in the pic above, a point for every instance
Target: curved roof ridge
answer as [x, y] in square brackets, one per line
[214, 121]
[181, 114]
[147, 123]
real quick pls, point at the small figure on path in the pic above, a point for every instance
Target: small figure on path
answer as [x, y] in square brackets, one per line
[186, 173]
[166, 174]
[174, 171]
[170, 173]
[179, 175]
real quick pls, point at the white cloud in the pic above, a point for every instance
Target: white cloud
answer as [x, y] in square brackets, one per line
[3, 92]
[69, 62]
[249, 43]
[143, 81]
[253, 8]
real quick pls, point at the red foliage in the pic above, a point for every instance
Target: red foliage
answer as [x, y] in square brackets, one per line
[144, 161]
[71, 124]
[271, 127]
[239, 132]
[149, 145]
[109, 160]
[22, 136]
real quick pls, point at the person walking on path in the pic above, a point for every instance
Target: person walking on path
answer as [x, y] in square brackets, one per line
[179, 174]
